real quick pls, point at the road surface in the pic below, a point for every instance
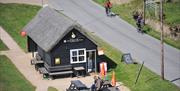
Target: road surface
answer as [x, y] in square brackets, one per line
[122, 36]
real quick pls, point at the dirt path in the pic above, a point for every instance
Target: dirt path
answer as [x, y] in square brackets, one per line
[32, 2]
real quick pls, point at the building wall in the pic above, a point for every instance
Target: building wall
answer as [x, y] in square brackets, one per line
[62, 50]
[32, 46]
[46, 56]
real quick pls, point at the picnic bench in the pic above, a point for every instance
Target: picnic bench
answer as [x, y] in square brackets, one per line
[77, 85]
[79, 71]
[59, 70]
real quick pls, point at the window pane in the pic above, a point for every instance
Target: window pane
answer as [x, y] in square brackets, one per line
[81, 58]
[74, 53]
[74, 59]
[57, 61]
[81, 52]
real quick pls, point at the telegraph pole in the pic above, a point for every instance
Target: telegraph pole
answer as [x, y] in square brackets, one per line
[162, 39]
[144, 10]
[42, 3]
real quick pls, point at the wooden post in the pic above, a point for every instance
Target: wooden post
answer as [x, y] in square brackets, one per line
[95, 63]
[162, 40]
[42, 3]
[33, 54]
[144, 10]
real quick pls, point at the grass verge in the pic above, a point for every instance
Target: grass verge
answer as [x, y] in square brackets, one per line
[52, 89]
[3, 47]
[11, 79]
[148, 81]
[13, 17]
[125, 11]
[172, 12]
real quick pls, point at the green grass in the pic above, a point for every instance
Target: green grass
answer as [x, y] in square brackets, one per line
[167, 40]
[52, 89]
[2, 46]
[172, 12]
[148, 80]
[11, 79]
[13, 17]
[125, 11]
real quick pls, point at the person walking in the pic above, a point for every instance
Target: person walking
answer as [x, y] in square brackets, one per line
[140, 23]
[135, 15]
[108, 6]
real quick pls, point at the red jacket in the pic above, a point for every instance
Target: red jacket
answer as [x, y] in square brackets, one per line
[108, 4]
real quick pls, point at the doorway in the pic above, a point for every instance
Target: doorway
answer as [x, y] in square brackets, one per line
[91, 60]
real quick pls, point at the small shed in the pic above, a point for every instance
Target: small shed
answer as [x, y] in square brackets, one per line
[60, 42]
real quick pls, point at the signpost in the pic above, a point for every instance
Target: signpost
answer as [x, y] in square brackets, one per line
[127, 58]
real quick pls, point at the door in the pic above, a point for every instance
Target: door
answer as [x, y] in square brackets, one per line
[91, 60]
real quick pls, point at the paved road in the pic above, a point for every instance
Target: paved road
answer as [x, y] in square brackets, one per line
[121, 35]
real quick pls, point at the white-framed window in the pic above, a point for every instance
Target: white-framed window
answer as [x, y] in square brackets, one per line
[78, 55]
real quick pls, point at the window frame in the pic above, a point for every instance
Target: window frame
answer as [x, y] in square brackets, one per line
[77, 56]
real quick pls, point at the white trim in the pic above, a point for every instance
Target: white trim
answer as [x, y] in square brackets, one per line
[77, 50]
[90, 50]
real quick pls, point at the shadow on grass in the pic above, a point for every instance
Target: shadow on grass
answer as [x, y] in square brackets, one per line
[146, 29]
[110, 63]
[175, 79]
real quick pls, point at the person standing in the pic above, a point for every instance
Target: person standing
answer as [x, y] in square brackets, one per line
[108, 6]
[97, 84]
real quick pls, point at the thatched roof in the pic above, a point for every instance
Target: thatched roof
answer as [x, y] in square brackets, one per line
[49, 26]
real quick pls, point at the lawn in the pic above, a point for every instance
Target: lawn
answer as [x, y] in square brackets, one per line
[172, 12]
[13, 17]
[3, 47]
[126, 10]
[52, 89]
[11, 79]
[148, 81]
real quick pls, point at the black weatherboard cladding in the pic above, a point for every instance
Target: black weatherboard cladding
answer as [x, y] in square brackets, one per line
[62, 49]
[32, 46]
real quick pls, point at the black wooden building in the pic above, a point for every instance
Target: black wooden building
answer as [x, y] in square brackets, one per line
[60, 43]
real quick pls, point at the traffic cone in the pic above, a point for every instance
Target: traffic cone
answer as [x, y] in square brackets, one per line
[102, 71]
[113, 80]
